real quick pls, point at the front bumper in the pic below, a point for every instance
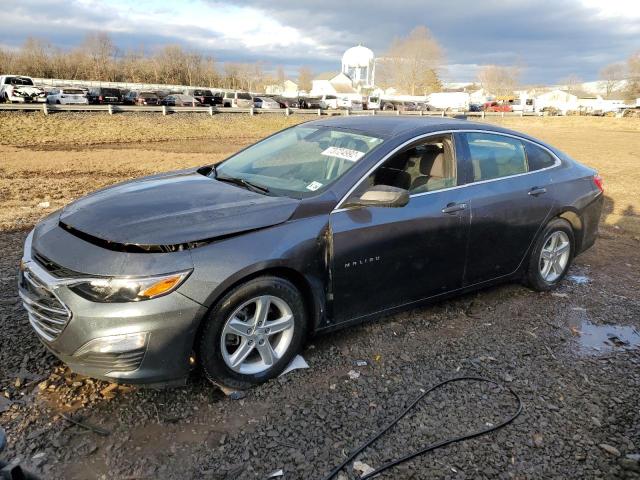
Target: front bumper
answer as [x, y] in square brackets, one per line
[22, 99]
[169, 325]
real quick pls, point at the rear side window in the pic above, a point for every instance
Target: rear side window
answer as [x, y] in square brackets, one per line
[495, 156]
[538, 157]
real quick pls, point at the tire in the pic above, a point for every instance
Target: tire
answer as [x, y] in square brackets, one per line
[544, 274]
[217, 346]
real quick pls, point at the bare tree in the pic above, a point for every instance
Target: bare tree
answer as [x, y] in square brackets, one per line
[633, 76]
[572, 82]
[499, 80]
[611, 76]
[411, 64]
[280, 75]
[101, 51]
[305, 77]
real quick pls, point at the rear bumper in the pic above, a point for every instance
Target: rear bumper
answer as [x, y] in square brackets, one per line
[590, 221]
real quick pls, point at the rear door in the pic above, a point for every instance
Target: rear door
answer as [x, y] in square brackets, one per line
[510, 202]
[387, 257]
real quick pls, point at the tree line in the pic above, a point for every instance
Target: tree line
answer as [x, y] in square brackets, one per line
[98, 59]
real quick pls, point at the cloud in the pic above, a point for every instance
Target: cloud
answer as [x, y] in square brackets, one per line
[549, 39]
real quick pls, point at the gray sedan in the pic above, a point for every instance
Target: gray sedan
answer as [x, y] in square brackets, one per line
[322, 225]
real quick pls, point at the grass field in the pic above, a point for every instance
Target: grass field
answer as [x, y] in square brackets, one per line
[60, 157]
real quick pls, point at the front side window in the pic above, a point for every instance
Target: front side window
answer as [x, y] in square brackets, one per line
[299, 161]
[426, 167]
[495, 156]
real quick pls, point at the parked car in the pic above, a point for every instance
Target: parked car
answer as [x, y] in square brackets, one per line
[496, 107]
[102, 95]
[204, 96]
[287, 102]
[322, 225]
[265, 103]
[373, 103]
[237, 100]
[20, 89]
[310, 102]
[475, 107]
[218, 98]
[180, 100]
[141, 98]
[66, 96]
[349, 103]
[329, 102]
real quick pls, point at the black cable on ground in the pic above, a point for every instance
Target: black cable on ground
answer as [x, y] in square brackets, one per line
[433, 446]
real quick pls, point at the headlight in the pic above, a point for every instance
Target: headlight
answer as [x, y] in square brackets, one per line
[132, 289]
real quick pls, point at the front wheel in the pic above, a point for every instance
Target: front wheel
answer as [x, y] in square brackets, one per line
[551, 256]
[253, 333]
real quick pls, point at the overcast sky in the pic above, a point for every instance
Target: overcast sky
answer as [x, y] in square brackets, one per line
[551, 39]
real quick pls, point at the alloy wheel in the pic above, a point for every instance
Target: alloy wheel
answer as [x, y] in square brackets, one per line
[257, 334]
[554, 256]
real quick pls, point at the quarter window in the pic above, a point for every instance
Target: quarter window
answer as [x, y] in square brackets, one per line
[538, 157]
[495, 156]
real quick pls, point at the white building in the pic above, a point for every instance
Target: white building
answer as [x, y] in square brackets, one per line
[332, 83]
[359, 64]
[287, 89]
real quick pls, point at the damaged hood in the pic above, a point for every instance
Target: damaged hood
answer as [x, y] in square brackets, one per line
[27, 89]
[172, 209]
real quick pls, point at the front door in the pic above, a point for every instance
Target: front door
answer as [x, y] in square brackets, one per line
[388, 257]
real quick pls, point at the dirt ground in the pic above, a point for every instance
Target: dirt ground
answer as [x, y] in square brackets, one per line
[573, 355]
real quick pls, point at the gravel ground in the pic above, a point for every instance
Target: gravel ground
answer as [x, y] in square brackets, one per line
[581, 393]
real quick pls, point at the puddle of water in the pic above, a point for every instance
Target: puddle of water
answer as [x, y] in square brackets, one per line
[597, 339]
[579, 279]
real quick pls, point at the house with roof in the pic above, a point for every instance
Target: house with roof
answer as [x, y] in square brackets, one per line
[331, 83]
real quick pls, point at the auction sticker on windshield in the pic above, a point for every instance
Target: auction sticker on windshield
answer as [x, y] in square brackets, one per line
[313, 186]
[346, 153]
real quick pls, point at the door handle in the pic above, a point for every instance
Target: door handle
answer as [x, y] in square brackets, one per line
[535, 191]
[454, 207]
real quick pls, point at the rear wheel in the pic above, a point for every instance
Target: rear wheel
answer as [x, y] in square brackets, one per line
[551, 256]
[253, 333]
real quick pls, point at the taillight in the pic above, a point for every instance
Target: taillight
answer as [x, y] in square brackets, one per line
[100, 98]
[598, 182]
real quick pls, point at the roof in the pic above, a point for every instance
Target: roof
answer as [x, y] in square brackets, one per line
[342, 88]
[326, 75]
[392, 126]
[581, 93]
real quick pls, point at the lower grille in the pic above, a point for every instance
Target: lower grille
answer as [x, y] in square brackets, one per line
[47, 314]
[114, 362]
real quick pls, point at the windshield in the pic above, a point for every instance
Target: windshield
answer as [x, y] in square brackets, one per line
[18, 81]
[244, 96]
[299, 161]
[73, 91]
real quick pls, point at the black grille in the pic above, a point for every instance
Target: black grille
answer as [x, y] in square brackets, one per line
[53, 268]
[47, 314]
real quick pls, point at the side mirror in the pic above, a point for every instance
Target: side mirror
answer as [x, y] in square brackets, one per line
[381, 196]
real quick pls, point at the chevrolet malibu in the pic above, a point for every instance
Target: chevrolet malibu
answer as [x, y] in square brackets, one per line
[322, 225]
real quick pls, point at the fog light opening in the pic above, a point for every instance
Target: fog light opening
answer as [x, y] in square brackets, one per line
[114, 344]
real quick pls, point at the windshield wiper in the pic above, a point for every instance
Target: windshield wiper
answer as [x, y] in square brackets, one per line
[240, 182]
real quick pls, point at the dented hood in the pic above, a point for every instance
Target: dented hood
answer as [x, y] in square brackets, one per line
[172, 209]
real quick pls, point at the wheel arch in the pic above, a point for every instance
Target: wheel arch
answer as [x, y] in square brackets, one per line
[312, 292]
[577, 225]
